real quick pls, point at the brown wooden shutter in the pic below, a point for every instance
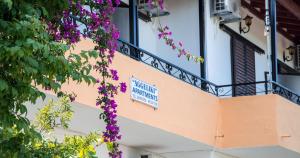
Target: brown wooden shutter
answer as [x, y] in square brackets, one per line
[243, 67]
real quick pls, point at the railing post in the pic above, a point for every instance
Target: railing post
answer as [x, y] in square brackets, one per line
[217, 90]
[272, 87]
[273, 39]
[266, 87]
[266, 82]
[133, 28]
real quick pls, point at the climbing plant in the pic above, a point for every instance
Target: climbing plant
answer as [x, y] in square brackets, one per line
[34, 39]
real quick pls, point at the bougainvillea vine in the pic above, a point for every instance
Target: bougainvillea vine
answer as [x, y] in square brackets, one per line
[92, 19]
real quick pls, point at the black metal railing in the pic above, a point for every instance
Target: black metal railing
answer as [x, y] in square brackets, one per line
[244, 89]
[285, 92]
[166, 67]
[230, 90]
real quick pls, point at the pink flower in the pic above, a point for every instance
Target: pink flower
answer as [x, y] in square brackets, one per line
[149, 3]
[173, 47]
[161, 4]
[180, 44]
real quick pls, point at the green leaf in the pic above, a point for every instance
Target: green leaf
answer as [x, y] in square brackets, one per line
[8, 3]
[84, 55]
[14, 91]
[32, 62]
[3, 85]
[110, 146]
[43, 95]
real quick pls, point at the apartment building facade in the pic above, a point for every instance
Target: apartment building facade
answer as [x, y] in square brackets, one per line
[238, 103]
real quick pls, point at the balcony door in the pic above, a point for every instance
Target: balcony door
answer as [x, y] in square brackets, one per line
[243, 67]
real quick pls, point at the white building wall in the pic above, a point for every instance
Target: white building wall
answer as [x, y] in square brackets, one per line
[219, 52]
[218, 49]
[184, 23]
[291, 82]
[121, 20]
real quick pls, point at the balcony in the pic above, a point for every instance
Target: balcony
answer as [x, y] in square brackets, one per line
[194, 114]
[251, 121]
[241, 89]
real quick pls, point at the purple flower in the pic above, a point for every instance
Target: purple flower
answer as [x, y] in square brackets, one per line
[97, 81]
[160, 35]
[114, 74]
[113, 104]
[123, 87]
[97, 103]
[117, 2]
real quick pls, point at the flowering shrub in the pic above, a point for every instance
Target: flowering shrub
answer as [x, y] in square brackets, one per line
[94, 17]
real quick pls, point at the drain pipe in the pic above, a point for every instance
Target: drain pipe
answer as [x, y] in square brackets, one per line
[267, 33]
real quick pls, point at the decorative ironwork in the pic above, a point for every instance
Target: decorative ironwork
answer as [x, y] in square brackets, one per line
[195, 80]
[166, 67]
[124, 49]
[230, 90]
[244, 89]
[169, 68]
[286, 93]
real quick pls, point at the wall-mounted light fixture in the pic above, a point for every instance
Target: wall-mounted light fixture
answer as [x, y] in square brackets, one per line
[248, 22]
[152, 10]
[291, 50]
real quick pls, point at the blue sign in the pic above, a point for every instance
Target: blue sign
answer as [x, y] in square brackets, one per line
[144, 92]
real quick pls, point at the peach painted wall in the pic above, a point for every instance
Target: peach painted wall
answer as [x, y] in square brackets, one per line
[288, 124]
[183, 109]
[248, 121]
[265, 120]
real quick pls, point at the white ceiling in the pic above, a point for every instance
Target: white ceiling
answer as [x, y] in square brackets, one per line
[262, 152]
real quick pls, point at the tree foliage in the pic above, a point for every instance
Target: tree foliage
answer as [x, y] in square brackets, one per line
[54, 114]
[58, 114]
[29, 58]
